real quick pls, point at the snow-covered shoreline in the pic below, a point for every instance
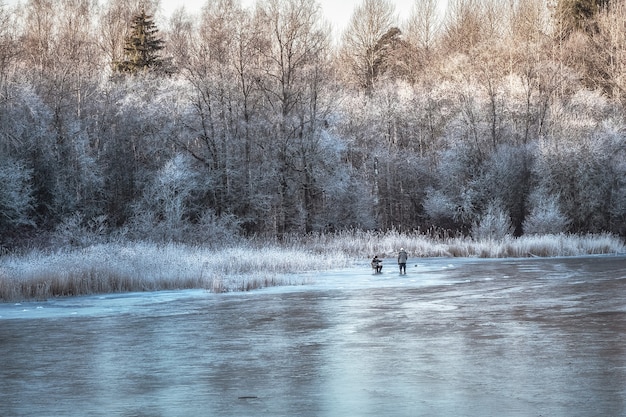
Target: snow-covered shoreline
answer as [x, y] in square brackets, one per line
[119, 268]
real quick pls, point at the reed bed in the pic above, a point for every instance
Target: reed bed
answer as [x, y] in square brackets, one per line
[114, 267]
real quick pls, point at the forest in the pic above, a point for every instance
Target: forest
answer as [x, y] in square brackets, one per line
[499, 118]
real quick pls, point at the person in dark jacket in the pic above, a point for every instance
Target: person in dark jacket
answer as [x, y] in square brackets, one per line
[377, 264]
[402, 257]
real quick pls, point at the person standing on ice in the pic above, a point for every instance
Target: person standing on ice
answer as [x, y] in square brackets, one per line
[402, 256]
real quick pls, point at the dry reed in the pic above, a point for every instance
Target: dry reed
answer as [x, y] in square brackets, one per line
[150, 267]
[113, 268]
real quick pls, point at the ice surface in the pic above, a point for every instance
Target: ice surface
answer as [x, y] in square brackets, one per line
[462, 337]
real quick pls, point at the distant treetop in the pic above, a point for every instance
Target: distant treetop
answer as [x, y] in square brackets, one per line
[142, 47]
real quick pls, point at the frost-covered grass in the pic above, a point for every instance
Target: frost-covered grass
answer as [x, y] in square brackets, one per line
[110, 268]
[115, 268]
[368, 244]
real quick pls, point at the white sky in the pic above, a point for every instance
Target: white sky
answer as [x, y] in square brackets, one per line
[337, 12]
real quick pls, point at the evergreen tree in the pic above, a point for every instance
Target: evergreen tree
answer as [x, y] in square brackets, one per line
[142, 48]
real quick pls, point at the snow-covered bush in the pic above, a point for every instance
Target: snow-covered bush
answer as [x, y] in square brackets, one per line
[495, 223]
[217, 230]
[545, 216]
[437, 205]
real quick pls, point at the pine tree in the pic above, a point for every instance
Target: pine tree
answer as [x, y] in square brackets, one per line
[142, 48]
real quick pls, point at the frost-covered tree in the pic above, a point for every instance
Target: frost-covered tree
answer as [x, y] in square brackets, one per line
[162, 213]
[213, 116]
[224, 119]
[170, 208]
[506, 175]
[16, 196]
[391, 146]
[133, 124]
[423, 25]
[179, 34]
[59, 66]
[585, 172]
[600, 55]
[529, 21]
[347, 203]
[451, 199]
[294, 53]
[9, 49]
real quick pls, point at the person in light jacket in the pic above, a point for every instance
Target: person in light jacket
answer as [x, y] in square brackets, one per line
[402, 256]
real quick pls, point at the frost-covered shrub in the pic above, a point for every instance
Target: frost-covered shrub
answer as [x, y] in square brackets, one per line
[213, 229]
[495, 223]
[76, 231]
[437, 205]
[585, 174]
[444, 209]
[545, 217]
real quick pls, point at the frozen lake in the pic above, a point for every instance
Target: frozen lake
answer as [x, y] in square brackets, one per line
[453, 337]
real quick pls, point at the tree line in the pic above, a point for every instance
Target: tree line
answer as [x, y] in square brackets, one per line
[497, 118]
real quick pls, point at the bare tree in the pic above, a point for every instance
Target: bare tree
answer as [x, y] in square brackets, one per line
[465, 25]
[422, 32]
[9, 50]
[603, 58]
[248, 72]
[423, 24]
[208, 68]
[530, 53]
[37, 36]
[179, 35]
[529, 21]
[361, 42]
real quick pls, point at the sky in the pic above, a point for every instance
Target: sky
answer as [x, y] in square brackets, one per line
[337, 12]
